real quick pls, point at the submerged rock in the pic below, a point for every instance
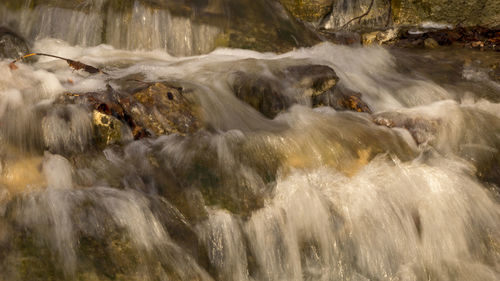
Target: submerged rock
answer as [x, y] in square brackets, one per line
[108, 129]
[182, 28]
[152, 110]
[422, 130]
[163, 110]
[345, 99]
[473, 132]
[306, 84]
[11, 44]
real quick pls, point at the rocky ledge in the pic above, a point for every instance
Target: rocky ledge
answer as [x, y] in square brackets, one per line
[147, 109]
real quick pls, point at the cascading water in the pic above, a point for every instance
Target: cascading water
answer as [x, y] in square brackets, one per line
[374, 13]
[181, 28]
[313, 194]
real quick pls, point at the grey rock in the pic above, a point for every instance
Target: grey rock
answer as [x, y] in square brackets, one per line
[11, 44]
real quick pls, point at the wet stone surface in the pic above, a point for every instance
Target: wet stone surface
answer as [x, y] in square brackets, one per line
[154, 109]
[476, 37]
[304, 84]
[12, 45]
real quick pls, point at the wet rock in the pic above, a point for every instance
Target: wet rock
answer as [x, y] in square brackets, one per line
[430, 43]
[345, 99]
[369, 38]
[473, 130]
[66, 128]
[341, 37]
[153, 110]
[470, 37]
[12, 45]
[465, 13]
[108, 129]
[18, 172]
[422, 130]
[308, 10]
[312, 80]
[105, 247]
[262, 93]
[380, 37]
[294, 84]
[164, 110]
[361, 15]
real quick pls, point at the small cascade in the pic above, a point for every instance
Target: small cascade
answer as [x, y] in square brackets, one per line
[183, 162]
[133, 26]
[180, 28]
[352, 14]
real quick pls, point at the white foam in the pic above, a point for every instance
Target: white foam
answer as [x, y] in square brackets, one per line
[58, 171]
[436, 25]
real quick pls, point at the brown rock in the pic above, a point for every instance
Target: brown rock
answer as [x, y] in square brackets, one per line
[163, 109]
[308, 10]
[155, 109]
[430, 43]
[345, 99]
[268, 94]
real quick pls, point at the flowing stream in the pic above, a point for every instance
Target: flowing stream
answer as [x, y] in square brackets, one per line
[313, 194]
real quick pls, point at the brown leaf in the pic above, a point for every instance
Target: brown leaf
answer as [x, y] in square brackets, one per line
[72, 63]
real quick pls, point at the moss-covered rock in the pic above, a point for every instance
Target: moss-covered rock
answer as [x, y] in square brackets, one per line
[164, 109]
[455, 12]
[108, 129]
[308, 10]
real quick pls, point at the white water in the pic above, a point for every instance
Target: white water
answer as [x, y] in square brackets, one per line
[314, 194]
[344, 11]
[92, 22]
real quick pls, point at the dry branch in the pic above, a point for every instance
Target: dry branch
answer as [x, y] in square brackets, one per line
[72, 63]
[359, 17]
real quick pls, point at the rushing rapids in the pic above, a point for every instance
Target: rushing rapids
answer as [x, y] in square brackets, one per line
[404, 188]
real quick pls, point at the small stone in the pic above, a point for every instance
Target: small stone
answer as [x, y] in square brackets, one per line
[369, 38]
[430, 43]
[345, 99]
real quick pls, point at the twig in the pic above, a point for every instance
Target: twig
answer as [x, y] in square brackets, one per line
[72, 63]
[359, 17]
[389, 16]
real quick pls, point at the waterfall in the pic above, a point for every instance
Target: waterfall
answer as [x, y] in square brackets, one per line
[350, 13]
[160, 168]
